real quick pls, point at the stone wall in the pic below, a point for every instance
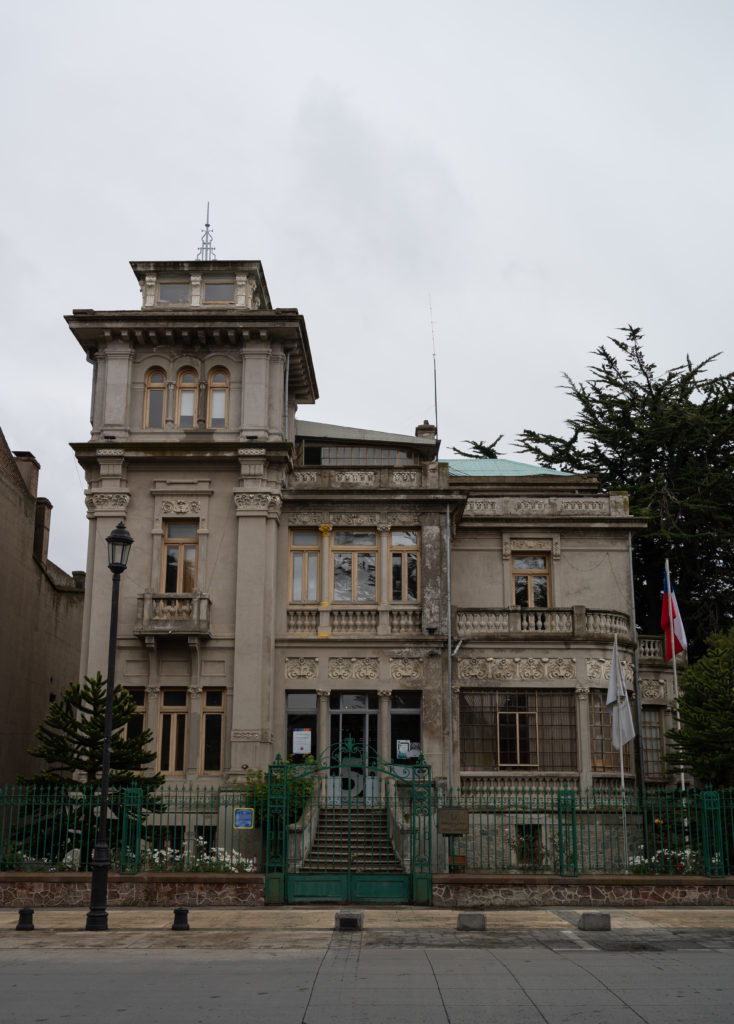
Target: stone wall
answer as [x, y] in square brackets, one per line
[487, 892]
[72, 889]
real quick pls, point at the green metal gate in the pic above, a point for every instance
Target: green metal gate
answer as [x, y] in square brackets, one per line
[349, 827]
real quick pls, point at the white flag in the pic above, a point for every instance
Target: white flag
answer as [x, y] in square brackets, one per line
[623, 729]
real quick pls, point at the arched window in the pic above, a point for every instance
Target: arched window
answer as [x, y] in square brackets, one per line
[186, 399]
[218, 398]
[155, 398]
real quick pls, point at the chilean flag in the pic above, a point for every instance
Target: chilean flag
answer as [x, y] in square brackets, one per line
[677, 634]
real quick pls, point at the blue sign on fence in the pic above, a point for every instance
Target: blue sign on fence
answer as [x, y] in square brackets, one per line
[244, 817]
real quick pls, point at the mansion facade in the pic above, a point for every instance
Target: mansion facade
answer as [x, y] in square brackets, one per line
[294, 585]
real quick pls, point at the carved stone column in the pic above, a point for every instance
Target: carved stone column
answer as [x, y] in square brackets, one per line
[192, 760]
[383, 724]
[324, 616]
[583, 737]
[323, 733]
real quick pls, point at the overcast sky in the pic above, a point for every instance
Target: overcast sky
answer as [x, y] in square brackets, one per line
[541, 172]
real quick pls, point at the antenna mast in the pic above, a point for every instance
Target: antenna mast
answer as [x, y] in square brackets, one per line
[206, 249]
[435, 377]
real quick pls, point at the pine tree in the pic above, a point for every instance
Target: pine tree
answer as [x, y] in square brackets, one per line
[667, 439]
[70, 739]
[704, 745]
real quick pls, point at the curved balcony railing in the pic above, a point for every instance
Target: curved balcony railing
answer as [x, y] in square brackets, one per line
[166, 614]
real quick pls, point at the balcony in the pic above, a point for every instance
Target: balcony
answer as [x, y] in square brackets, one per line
[162, 615]
[573, 622]
[354, 620]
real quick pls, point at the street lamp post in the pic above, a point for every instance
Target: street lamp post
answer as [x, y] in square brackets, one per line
[119, 543]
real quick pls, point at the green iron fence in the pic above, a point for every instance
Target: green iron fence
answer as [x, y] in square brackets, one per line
[169, 829]
[510, 830]
[597, 832]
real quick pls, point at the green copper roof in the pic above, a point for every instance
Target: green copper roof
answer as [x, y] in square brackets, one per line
[498, 467]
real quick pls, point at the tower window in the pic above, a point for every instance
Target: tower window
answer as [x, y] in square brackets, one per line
[187, 388]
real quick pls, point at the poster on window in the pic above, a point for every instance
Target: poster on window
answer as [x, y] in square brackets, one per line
[301, 741]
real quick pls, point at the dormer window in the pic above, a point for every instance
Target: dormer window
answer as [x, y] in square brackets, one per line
[219, 291]
[173, 291]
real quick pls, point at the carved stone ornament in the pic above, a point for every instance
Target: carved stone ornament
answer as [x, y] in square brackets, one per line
[257, 501]
[353, 519]
[652, 689]
[529, 506]
[355, 477]
[384, 693]
[598, 669]
[301, 668]
[110, 453]
[180, 507]
[582, 692]
[354, 668]
[256, 735]
[517, 668]
[300, 477]
[483, 507]
[306, 519]
[406, 668]
[245, 452]
[407, 477]
[583, 506]
[100, 501]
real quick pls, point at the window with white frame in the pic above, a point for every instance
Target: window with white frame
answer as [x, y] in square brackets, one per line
[218, 398]
[186, 396]
[155, 398]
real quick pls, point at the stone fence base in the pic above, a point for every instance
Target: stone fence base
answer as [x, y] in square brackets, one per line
[485, 892]
[72, 889]
[457, 892]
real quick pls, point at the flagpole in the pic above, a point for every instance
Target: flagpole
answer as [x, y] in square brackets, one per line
[620, 682]
[671, 631]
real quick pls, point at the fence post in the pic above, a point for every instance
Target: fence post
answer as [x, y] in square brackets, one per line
[713, 835]
[132, 805]
[566, 830]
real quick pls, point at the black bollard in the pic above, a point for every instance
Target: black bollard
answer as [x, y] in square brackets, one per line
[180, 919]
[25, 920]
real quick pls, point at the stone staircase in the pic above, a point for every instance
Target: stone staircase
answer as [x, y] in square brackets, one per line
[353, 839]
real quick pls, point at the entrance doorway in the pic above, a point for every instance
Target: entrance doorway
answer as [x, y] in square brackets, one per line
[353, 730]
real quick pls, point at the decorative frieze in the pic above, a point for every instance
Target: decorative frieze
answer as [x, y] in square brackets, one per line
[180, 507]
[406, 477]
[110, 453]
[406, 668]
[355, 477]
[302, 477]
[525, 669]
[354, 668]
[301, 668]
[598, 669]
[252, 735]
[613, 505]
[247, 452]
[257, 501]
[104, 501]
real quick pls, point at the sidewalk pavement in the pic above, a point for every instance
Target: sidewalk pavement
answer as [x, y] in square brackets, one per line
[301, 927]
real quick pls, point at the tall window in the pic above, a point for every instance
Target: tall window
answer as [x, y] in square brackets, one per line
[302, 722]
[212, 732]
[180, 550]
[155, 398]
[173, 728]
[508, 730]
[305, 565]
[218, 398]
[354, 560]
[604, 758]
[530, 580]
[404, 565]
[405, 726]
[186, 398]
[653, 743]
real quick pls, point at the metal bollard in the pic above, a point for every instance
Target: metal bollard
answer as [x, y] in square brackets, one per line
[180, 919]
[25, 920]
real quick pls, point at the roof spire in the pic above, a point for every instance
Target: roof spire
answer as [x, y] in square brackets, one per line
[206, 249]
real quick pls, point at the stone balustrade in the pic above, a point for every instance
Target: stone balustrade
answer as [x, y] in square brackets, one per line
[575, 622]
[165, 614]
